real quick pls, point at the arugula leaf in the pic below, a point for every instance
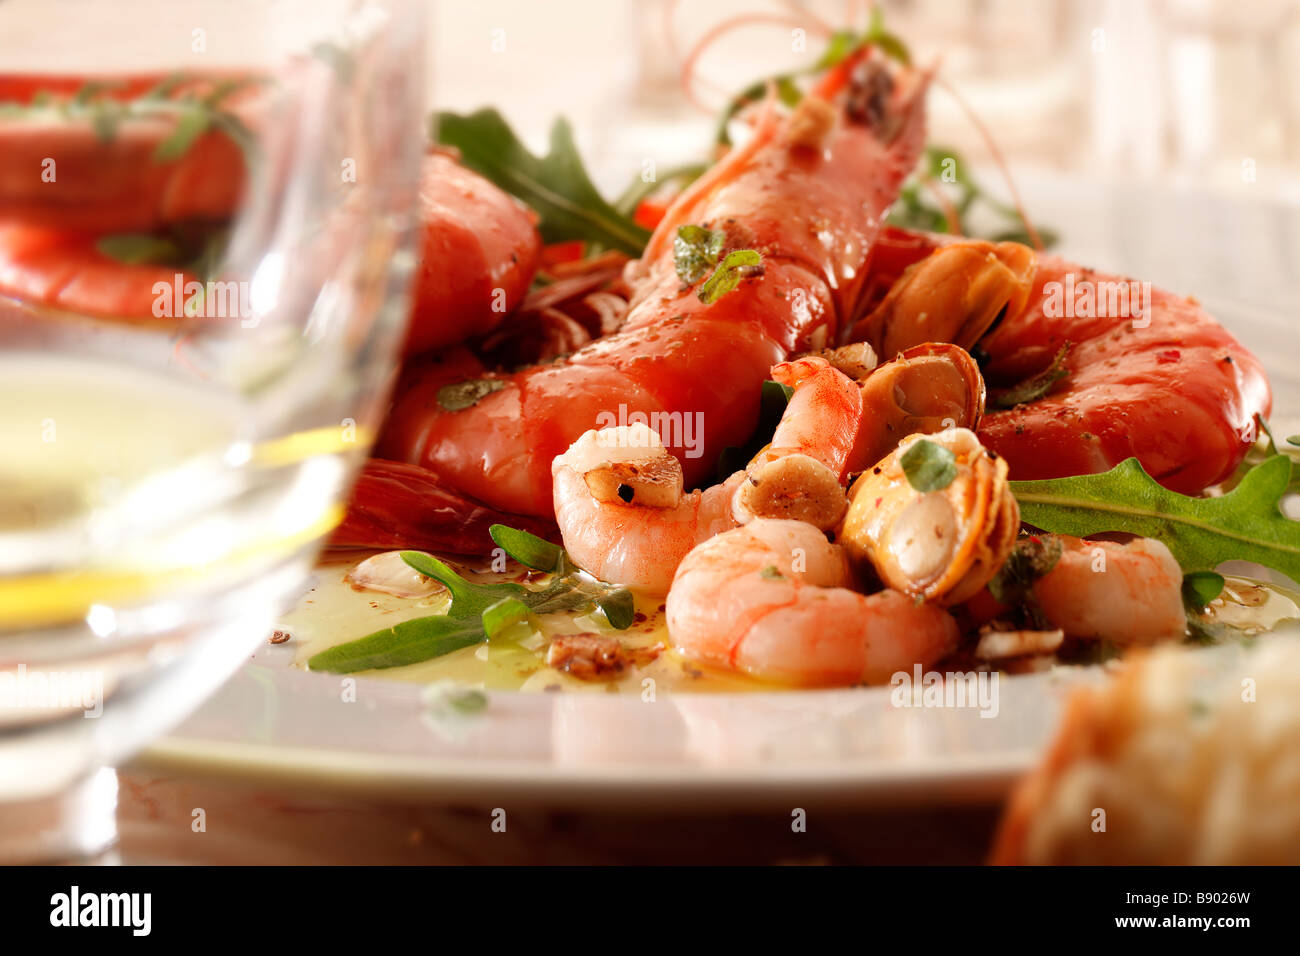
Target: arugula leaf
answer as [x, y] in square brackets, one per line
[737, 265]
[928, 466]
[408, 643]
[1245, 524]
[916, 210]
[555, 186]
[479, 611]
[1036, 386]
[528, 549]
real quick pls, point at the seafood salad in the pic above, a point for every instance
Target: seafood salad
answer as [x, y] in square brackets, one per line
[771, 420]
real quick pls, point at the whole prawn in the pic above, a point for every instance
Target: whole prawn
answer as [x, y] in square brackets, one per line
[809, 191]
[479, 248]
[1160, 380]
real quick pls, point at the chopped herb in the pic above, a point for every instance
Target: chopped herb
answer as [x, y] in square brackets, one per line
[740, 264]
[771, 573]
[1031, 559]
[468, 701]
[928, 466]
[503, 614]
[695, 251]
[1200, 588]
[462, 395]
[1036, 386]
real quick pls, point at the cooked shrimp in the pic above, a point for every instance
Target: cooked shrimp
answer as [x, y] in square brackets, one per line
[618, 492]
[772, 599]
[1126, 593]
[812, 213]
[619, 539]
[478, 252]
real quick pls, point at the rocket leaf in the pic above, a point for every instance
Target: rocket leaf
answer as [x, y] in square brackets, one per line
[478, 611]
[556, 186]
[1245, 524]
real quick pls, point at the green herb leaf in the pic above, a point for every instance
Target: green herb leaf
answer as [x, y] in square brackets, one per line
[528, 549]
[461, 395]
[928, 466]
[1293, 440]
[619, 608]
[135, 249]
[1244, 524]
[556, 185]
[470, 700]
[190, 125]
[1200, 588]
[1031, 558]
[736, 266]
[1036, 386]
[407, 643]
[888, 43]
[477, 611]
[695, 251]
[503, 614]
[771, 573]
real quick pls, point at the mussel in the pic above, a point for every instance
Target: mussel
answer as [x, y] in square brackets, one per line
[935, 518]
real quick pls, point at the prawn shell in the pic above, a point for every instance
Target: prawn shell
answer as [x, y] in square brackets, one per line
[975, 518]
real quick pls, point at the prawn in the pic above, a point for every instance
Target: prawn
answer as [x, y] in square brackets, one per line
[119, 182]
[1158, 380]
[1127, 593]
[479, 248]
[773, 599]
[809, 191]
[618, 493]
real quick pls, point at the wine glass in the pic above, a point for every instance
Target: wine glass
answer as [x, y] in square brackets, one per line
[205, 245]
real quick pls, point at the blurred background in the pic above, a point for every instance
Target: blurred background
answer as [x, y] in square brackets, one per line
[1182, 91]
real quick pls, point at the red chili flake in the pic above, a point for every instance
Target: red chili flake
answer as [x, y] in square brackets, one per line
[1168, 355]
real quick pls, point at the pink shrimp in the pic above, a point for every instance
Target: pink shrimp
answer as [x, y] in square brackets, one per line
[638, 528]
[773, 599]
[808, 191]
[1127, 593]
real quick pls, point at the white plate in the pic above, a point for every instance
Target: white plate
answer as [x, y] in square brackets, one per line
[275, 723]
